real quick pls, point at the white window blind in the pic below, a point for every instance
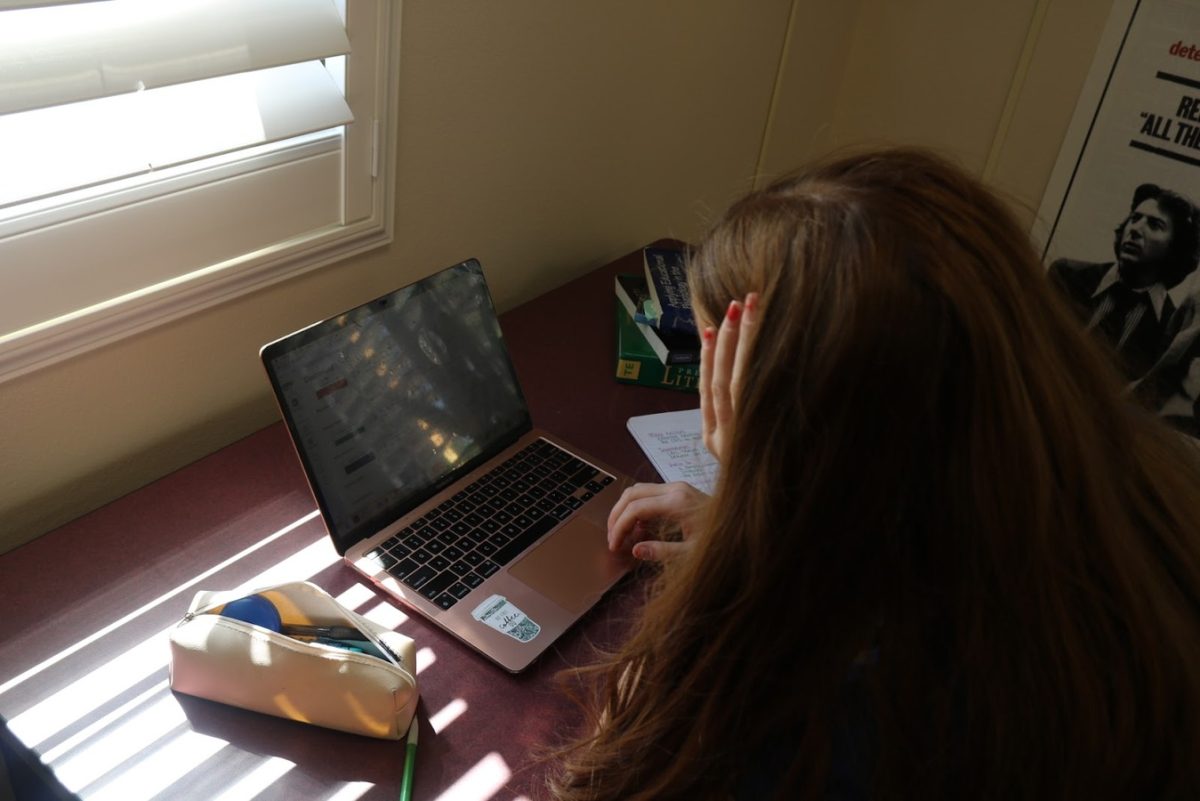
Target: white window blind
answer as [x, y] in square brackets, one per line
[79, 51]
[158, 157]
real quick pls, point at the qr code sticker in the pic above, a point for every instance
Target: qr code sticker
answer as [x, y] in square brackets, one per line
[525, 630]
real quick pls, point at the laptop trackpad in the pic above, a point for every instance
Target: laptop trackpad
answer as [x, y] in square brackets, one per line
[573, 567]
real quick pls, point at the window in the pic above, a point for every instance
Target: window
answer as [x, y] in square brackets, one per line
[161, 157]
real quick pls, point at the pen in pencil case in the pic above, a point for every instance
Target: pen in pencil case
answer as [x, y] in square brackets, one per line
[333, 632]
[346, 637]
[358, 646]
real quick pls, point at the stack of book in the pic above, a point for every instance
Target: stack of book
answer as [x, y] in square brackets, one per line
[657, 342]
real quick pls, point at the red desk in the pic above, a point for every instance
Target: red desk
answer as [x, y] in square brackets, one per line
[83, 636]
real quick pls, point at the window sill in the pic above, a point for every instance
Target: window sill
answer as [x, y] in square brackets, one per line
[72, 334]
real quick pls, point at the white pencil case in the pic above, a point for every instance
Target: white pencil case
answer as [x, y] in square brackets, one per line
[250, 666]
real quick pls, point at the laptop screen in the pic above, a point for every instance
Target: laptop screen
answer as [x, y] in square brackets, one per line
[395, 399]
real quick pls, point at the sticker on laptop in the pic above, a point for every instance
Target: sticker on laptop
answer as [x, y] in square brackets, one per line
[499, 613]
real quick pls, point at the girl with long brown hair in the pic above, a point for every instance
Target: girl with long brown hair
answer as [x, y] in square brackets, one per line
[945, 557]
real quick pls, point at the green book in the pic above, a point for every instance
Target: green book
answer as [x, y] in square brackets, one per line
[637, 363]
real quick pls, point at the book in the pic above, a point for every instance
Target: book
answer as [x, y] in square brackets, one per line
[666, 278]
[672, 347]
[637, 363]
[675, 446]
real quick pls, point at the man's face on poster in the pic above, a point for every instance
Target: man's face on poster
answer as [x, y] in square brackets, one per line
[1145, 243]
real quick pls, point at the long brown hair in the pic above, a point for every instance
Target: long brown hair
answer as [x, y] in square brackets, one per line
[932, 460]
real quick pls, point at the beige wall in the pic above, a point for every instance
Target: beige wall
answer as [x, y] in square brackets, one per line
[547, 138]
[992, 84]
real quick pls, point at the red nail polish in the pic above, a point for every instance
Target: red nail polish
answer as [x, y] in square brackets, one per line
[752, 301]
[709, 334]
[734, 313]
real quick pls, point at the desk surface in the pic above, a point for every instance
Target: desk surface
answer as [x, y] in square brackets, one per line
[83, 637]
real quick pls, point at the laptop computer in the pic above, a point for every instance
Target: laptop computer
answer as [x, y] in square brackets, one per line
[420, 451]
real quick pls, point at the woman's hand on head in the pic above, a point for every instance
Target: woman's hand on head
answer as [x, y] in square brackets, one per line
[724, 353]
[645, 509]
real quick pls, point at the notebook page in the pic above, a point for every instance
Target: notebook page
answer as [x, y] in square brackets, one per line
[673, 443]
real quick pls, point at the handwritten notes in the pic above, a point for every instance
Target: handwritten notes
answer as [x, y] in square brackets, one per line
[674, 445]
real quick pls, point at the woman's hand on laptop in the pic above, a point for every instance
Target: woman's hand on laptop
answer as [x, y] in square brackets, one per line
[645, 512]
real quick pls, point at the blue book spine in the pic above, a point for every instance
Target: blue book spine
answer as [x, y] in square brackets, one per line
[667, 278]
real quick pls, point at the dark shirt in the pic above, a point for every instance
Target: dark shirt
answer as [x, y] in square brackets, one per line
[1134, 322]
[853, 746]
[1168, 387]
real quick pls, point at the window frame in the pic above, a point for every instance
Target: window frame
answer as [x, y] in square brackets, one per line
[365, 152]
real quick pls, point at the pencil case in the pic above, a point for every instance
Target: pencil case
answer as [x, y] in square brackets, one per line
[304, 660]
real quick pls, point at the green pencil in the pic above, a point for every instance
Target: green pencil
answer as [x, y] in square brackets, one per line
[410, 762]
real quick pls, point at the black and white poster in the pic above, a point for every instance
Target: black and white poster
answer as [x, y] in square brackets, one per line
[1119, 224]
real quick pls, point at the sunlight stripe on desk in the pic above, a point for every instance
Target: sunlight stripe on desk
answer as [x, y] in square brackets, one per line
[439, 720]
[350, 791]
[97, 687]
[54, 660]
[480, 782]
[108, 752]
[301, 565]
[105, 682]
[257, 780]
[355, 596]
[386, 614]
[425, 658]
[52, 755]
[159, 769]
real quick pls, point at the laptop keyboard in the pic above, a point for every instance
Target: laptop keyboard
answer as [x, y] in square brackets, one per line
[451, 549]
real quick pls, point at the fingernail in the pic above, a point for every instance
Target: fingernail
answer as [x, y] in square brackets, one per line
[709, 334]
[641, 552]
[752, 301]
[735, 311]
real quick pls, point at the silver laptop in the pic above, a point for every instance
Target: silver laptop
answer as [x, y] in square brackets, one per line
[430, 477]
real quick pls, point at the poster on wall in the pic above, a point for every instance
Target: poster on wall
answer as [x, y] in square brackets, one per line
[1119, 226]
